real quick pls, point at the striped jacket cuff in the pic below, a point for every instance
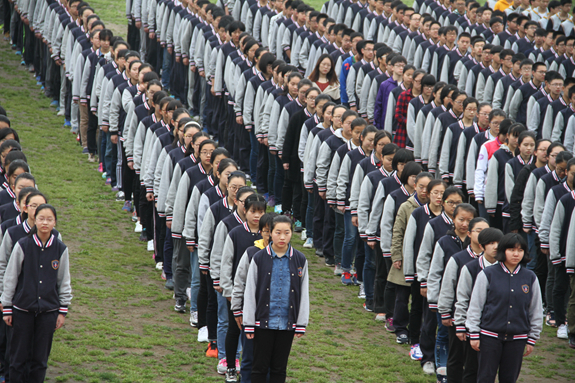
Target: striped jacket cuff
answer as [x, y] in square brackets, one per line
[204, 266]
[238, 313]
[531, 341]
[176, 235]
[423, 284]
[446, 316]
[168, 218]
[7, 310]
[216, 282]
[474, 336]
[460, 329]
[190, 242]
[409, 278]
[63, 310]
[299, 329]
[130, 159]
[544, 245]
[249, 329]
[432, 306]
[387, 254]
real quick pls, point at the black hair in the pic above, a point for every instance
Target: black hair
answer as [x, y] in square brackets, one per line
[217, 151]
[411, 169]
[510, 241]
[523, 135]
[13, 156]
[244, 190]
[25, 176]
[12, 144]
[281, 219]
[388, 149]
[225, 163]
[403, 156]
[237, 174]
[553, 146]
[489, 235]
[349, 113]
[25, 191]
[7, 131]
[423, 175]
[435, 182]
[505, 126]
[516, 129]
[428, 80]
[33, 193]
[40, 208]
[266, 59]
[475, 221]
[464, 207]
[17, 164]
[257, 201]
[563, 156]
[267, 219]
[450, 191]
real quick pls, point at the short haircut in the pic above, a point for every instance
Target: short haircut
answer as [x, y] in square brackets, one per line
[510, 241]
[489, 235]
[410, 169]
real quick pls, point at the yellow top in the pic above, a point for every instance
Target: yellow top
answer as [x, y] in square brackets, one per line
[502, 5]
[259, 243]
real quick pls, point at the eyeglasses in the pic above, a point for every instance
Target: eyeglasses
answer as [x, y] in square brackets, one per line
[47, 220]
[436, 193]
[452, 203]
[458, 102]
[207, 152]
[234, 187]
[189, 136]
[484, 114]
[472, 110]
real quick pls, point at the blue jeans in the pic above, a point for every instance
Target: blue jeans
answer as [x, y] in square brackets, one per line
[441, 344]
[110, 158]
[369, 272]
[168, 254]
[247, 358]
[349, 243]
[338, 237]
[254, 152]
[195, 285]
[222, 325]
[166, 69]
[309, 215]
[530, 238]
[271, 174]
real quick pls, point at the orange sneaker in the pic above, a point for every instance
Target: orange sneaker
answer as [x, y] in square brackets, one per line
[212, 351]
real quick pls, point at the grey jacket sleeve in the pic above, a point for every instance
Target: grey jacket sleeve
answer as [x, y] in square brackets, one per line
[448, 291]
[569, 253]
[546, 218]
[331, 192]
[498, 96]
[364, 206]
[488, 91]
[408, 249]
[534, 117]
[205, 236]
[355, 189]
[322, 166]
[476, 304]
[426, 137]
[514, 105]
[5, 252]
[569, 141]
[459, 169]
[435, 275]
[446, 154]
[411, 122]
[249, 311]
[282, 126]
[248, 105]
[180, 204]
[158, 170]
[342, 180]
[303, 314]
[509, 181]
[424, 256]
[539, 202]
[386, 226]
[216, 257]
[226, 277]
[237, 302]
[309, 166]
[172, 190]
[535, 313]
[555, 234]
[435, 145]
[153, 154]
[165, 179]
[548, 123]
[376, 212]
[464, 288]
[190, 221]
[527, 204]
[139, 141]
[558, 127]
[114, 111]
[492, 184]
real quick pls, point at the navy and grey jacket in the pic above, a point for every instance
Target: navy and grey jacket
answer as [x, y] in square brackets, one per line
[48, 264]
[325, 156]
[427, 132]
[412, 240]
[333, 173]
[9, 210]
[502, 91]
[193, 220]
[482, 77]
[366, 198]
[462, 152]
[518, 104]
[445, 248]
[237, 242]
[256, 309]
[495, 192]
[7, 196]
[390, 209]
[346, 173]
[240, 277]
[450, 280]
[491, 84]
[189, 179]
[512, 169]
[506, 304]
[221, 232]
[167, 172]
[560, 227]
[434, 230]
[364, 167]
[553, 196]
[212, 218]
[551, 113]
[467, 278]
[449, 154]
[537, 114]
[544, 184]
[414, 130]
[563, 117]
[180, 168]
[385, 187]
[443, 121]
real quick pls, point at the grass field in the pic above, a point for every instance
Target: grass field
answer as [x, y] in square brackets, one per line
[122, 326]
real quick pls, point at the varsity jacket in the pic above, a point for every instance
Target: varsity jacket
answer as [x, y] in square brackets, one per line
[237, 302]
[325, 156]
[449, 148]
[390, 209]
[224, 227]
[191, 177]
[334, 168]
[495, 193]
[512, 169]
[170, 161]
[544, 184]
[501, 91]
[385, 187]
[560, 227]
[346, 175]
[215, 214]
[312, 150]
[180, 168]
[364, 167]
[435, 229]
[523, 196]
[442, 123]
[445, 248]
[365, 198]
[463, 151]
[412, 240]
[553, 196]
[518, 105]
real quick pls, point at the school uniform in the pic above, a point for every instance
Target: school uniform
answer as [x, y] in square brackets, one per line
[386, 186]
[9, 210]
[496, 201]
[505, 318]
[442, 123]
[523, 194]
[518, 104]
[276, 299]
[7, 196]
[34, 319]
[198, 207]
[427, 132]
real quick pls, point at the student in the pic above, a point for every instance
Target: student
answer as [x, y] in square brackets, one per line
[433, 101]
[269, 303]
[402, 317]
[448, 294]
[14, 170]
[404, 103]
[11, 209]
[21, 200]
[526, 148]
[397, 63]
[237, 242]
[237, 298]
[501, 345]
[488, 240]
[518, 104]
[35, 321]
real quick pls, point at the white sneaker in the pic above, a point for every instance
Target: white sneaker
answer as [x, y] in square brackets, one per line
[189, 293]
[138, 228]
[193, 318]
[160, 266]
[562, 332]
[429, 368]
[222, 366]
[151, 245]
[380, 317]
[361, 294]
[303, 235]
[308, 243]
[203, 335]
[61, 112]
[442, 371]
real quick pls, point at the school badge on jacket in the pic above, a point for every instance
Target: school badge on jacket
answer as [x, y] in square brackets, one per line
[525, 289]
[300, 271]
[55, 264]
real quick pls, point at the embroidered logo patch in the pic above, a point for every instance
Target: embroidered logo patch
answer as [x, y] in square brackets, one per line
[299, 271]
[525, 289]
[55, 265]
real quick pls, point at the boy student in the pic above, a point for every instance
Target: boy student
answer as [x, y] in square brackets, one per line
[432, 39]
[505, 57]
[518, 105]
[447, 60]
[475, 71]
[465, 64]
[369, 79]
[488, 71]
[510, 31]
[539, 107]
[398, 64]
[502, 87]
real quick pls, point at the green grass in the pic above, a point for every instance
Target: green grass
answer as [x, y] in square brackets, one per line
[122, 327]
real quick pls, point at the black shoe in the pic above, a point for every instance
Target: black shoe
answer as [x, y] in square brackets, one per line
[572, 341]
[329, 262]
[231, 375]
[368, 305]
[180, 307]
[319, 253]
[169, 284]
[402, 339]
[143, 237]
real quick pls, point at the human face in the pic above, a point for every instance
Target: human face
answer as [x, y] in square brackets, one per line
[414, 22]
[494, 125]
[506, 62]
[206, 154]
[346, 43]
[526, 72]
[387, 161]
[421, 188]
[450, 203]
[461, 221]
[400, 166]
[310, 99]
[450, 37]
[434, 31]
[556, 88]
[368, 52]
[486, 16]
[141, 76]
[478, 228]
[337, 114]
[539, 74]
[13, 177]
[530, 31]
[356, 131]
[252, 52]
[541, 152]
[301, 93]
[236, 36]
[152, 90]
[292, 86]
[134, 71]
[319, 108]
[470, 111]
[497, 28]
[478, 48]
[551, 159]
[223, 176]
[367, 143]
[513, 256]
[561, 48]
[327, 115]
[458, 104]
[436, 194]
[464, 44]
[398, 68]
[407, 17]
[570, 175]
[281, 235]
[490, 250]
[561, 169]
[189, 135]
[233, 185]
[33, 204]
[45, 221]
[325, 66]
[265, 232]
[427, 91]
[23, 183]
[408, 78]
[483, 115]
[253, 216]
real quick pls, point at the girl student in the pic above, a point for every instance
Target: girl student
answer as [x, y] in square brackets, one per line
[208, 308]
[189, 178]
[325, 78]
[11, 157]
[11, 209]
[526, 143]
[426, 97]
[34, 320]
[495, 199]
[451, 243]
[488, 241]
[235, 246]
[276, 302]
[401, 315]
[392, 204]
[448, 295]
[21, 200]
[507, 290]
[402, 107]
[352, 248]
[415, 226]
[237, 298]
[451, 136]
[14, 170]
[8, 134]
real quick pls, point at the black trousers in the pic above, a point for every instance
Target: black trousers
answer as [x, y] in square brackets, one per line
[146, 213]
[133, 36]
[271, 352]
[5, 340]
[560, 289]
[471, 364]
[29, 41]
[328, 232]
[428, 330]
[503, 355]
[380, 280]
[262, 172]
[456, 357]
[160, 236]
[127, 177]
[68, 100]
[232, 338]
[92, 131]
[318, 218]
[389, 293]
[230, 129]
[402, 316]
[208, 308]
[136, 190]
[242, 147]
[292, 196]
[31, 344]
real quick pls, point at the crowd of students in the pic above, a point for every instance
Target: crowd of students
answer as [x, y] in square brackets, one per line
[403, 143]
